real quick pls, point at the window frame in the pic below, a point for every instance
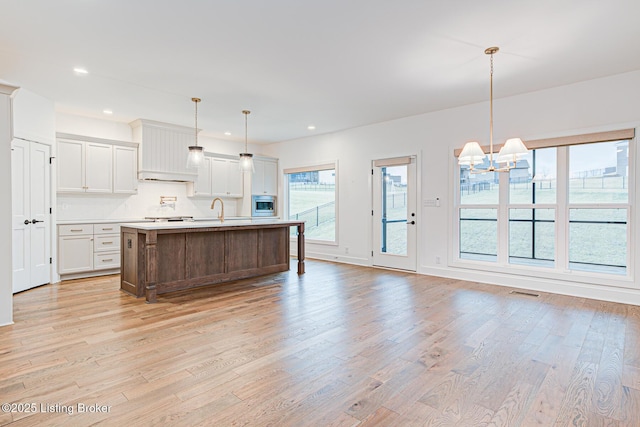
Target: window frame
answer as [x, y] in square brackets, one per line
[332, 165]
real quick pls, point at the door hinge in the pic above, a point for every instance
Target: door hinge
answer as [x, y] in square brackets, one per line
[371, 253]
[371, 212]
[50, 211]
[371, 171]
[51, 160]
[50, 260]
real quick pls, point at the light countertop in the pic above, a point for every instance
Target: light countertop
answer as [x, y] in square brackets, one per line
[207, 224]
[142, 220]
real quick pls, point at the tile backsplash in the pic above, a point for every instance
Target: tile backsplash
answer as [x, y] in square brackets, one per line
[135, 206]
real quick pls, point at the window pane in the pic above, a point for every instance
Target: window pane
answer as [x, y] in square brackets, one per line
[478, 188]
[312, 198]
[533, 180]
[394, 227]
[532, 236]
[598, 240]
[479, 233]
[598, 173]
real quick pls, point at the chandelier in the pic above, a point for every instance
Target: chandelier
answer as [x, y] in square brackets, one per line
[512, 150]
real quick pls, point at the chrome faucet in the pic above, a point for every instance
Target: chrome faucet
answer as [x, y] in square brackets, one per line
[221, 214]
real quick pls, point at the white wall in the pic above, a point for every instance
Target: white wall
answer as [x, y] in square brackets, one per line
[6, 279]
[596, 105]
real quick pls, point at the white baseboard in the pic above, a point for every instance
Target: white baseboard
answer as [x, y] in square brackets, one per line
[582, 290]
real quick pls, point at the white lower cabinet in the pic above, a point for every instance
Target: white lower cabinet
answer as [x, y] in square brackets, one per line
[88, 249]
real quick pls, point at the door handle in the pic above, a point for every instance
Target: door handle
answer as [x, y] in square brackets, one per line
[27, 222]
[411, 222]
[35, 221]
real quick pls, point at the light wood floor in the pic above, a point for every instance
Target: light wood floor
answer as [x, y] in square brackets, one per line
[339, 346]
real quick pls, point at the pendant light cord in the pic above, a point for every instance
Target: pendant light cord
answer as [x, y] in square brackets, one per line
[246, 114]
[196, 100]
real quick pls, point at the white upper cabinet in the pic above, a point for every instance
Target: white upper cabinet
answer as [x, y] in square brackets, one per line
[92, 165]
[226, 177]
[202, 183]
[234, 178]
[219, 176]
[98, 168]
[125, 166]
[71, 165]
[265, 177]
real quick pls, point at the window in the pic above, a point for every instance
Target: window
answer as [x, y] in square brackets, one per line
[564, 206]
[479, 195]
[311, 197]
[532, 207]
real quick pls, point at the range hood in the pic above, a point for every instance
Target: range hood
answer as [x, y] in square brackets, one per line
[163, 150]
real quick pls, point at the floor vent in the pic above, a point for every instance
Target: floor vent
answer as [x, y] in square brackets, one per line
[529, 294]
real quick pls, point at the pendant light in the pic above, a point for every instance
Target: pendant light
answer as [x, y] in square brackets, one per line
[196, 154]
[513, 149]
[246, 158]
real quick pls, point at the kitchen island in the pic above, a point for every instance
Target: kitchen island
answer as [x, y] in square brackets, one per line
[162, 257]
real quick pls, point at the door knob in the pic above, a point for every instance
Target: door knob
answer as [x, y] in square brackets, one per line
[411, 222]
[35, 221]
[27, 222]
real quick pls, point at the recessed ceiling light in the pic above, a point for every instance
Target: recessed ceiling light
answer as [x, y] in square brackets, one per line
[79, 70]
[107, 112]
[227, 133]
[311, 127]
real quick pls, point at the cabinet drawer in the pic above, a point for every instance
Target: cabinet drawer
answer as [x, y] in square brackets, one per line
[75, 229]
[106, 242]
[106, 228]
[106, 260]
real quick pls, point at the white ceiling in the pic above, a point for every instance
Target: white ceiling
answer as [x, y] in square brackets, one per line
[335, 64]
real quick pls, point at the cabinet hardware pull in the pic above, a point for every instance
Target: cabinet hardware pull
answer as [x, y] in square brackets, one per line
[75, 230]
[107, 260]
[105, 229]
[107, 243]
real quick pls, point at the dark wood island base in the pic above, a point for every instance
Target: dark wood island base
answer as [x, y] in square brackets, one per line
[158, 259]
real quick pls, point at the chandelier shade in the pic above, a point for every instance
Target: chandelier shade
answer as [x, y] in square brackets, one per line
[471, 154]
[512, 150]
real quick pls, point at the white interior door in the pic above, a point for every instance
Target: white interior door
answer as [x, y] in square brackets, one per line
[394, 213]
[31, 201]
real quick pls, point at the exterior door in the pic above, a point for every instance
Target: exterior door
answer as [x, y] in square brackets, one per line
[394, 213]
[31, 201]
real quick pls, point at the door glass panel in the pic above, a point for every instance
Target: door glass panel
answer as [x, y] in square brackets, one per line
[394, 210]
